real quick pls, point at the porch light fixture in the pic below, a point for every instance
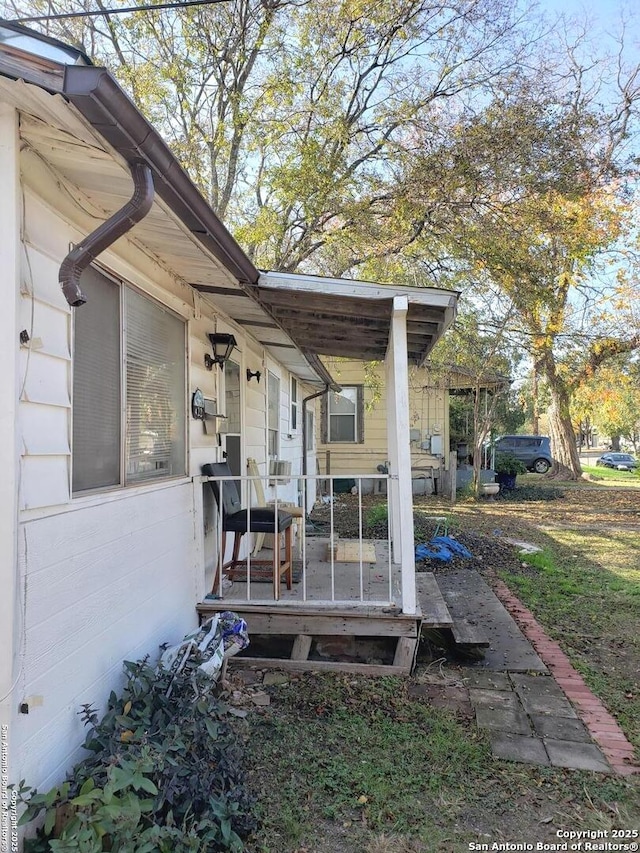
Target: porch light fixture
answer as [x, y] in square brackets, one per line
[222, 345]
[253, 374]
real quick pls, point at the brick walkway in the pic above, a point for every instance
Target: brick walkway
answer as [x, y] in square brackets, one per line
[602, 726]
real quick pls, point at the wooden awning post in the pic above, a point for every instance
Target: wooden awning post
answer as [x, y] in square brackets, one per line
[401, 504]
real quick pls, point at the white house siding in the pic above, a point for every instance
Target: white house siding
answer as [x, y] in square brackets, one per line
[255, 426]
[428, 415]
[290, 441]
[101, 582]
[104, 577]
[108, 576]
[203, 445]
[9, 264]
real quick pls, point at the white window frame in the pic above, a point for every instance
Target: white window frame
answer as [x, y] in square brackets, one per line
[358, 417]
[294, 406]
[126, 480]
[273, 433]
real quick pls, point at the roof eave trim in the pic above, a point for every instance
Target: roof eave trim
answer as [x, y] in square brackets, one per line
[99, 98]
[316, 364]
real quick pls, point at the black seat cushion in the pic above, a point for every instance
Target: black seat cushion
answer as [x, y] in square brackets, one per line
[261, 520]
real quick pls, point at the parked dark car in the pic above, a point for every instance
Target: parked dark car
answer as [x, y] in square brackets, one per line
[534, 451]
[621, 461]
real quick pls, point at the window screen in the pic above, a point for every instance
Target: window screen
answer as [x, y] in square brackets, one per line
[155, 414]
[96, 385]
[146, 396]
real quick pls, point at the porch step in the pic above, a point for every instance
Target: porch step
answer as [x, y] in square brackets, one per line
[290, 619]
[459, 601]
[435, 613]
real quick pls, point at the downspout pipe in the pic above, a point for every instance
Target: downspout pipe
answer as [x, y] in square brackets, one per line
[106, 234]
[305, 400]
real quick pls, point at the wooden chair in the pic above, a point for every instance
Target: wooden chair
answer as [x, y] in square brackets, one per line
[255, 520]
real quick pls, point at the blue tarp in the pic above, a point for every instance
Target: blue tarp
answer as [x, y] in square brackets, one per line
[443, 548]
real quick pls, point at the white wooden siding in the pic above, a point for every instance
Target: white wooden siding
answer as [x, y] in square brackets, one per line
[103, 583]
[9, 289]
[44, 430]
[204, 445]
[108, 576]
[45, 363]
[102, 579]
[255, 423]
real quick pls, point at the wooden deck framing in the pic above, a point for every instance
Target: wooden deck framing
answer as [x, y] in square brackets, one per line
[304, 624]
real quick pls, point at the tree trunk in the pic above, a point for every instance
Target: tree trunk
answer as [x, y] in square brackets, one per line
[536, 410]
[566, 465]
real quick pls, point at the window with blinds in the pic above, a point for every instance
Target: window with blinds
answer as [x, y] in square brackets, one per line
[128, 388]
[97, 367]
[155, 392]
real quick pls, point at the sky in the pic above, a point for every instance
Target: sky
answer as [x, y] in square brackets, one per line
[606, 13]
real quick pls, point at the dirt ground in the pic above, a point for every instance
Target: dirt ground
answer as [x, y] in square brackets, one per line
[509, 802]
[531, 513]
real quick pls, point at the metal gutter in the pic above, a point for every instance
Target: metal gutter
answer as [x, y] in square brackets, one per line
[305, 400]
[104, 235]
[100, 100]
[96, 94]
[321, 370]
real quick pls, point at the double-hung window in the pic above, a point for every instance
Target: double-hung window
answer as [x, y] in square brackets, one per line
[129, 387]
[293, 421]
[273, 414]
[344, 415]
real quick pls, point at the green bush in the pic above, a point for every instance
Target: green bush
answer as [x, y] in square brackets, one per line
[377, 515]
[507, 463]
[164, 773]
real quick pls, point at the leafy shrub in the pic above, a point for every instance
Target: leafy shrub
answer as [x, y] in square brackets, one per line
[533, 493]
[163, 774]
[377, 514]
[507, 463]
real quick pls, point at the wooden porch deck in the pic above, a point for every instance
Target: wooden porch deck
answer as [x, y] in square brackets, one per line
[331, 636]
[319, 580]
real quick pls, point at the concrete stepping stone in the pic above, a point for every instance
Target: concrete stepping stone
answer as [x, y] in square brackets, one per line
[541, 695]
[560, 728]
[494, 699]
[576, 756]
[503, 720]
[511, 747]
[485, 679]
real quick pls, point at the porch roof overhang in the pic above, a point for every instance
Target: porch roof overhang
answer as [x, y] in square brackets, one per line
[351, 318]
[79, 122]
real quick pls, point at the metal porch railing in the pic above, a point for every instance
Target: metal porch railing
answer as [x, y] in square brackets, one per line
[301, 491]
